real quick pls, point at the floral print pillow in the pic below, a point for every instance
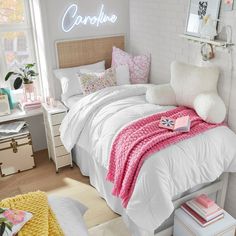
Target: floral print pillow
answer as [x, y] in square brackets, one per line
[92, 82]
[139, 66]
[11, 221]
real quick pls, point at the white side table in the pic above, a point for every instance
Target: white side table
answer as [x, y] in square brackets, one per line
[186, 226]
[53, 117]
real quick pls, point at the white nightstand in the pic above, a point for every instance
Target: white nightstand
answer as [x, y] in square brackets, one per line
[53, 117]
[185, 226]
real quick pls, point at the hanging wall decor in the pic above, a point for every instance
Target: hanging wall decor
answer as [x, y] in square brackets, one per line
[198, 11]
[228, 5]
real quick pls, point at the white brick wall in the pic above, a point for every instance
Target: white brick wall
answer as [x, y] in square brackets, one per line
[155, 26]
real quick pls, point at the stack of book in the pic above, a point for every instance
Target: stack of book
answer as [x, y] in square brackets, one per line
[29, 105]
[203, 210]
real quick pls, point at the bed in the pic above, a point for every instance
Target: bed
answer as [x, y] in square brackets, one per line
[164, 182]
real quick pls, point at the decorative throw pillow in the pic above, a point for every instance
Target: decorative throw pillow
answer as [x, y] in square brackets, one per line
[69, 81]
[122, 75]
[11, 221]
[139, 66]
[92, 82]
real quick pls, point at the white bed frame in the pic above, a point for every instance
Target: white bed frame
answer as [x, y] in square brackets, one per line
[219, 187]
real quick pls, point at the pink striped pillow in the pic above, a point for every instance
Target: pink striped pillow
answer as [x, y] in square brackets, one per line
[139, 66]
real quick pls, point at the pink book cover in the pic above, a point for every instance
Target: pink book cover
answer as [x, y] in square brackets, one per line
[205, 201]
[167, 123]
[31, 103]
[207, 215]
[182, 124]
[198, 218]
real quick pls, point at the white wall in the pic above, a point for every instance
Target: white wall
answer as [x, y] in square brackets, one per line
[155, 26]
[36, 127]
[53, 10]
[48, 16]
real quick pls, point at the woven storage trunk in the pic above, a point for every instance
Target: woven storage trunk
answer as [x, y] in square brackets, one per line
[16, 153]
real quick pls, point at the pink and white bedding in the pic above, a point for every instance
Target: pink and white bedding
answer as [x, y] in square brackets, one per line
[139, 140]
[95, 121]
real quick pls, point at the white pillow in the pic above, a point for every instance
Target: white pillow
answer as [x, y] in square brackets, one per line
[69, 214]
[188, 81]
[210, 107]
[194, 87]
[122, 75]
[69, 80]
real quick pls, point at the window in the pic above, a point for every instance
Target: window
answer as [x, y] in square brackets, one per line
[16, 38]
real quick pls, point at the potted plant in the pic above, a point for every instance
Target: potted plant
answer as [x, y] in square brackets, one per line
[25, 76]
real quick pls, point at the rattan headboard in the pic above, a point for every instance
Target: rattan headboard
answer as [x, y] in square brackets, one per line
[87, 51]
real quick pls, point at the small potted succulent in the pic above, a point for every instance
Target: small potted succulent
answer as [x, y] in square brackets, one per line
[25, 76]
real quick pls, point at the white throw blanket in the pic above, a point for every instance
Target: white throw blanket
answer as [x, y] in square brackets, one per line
[76, 119]
[96, 119]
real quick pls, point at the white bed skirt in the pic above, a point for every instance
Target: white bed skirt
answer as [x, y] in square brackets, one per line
[97, 174]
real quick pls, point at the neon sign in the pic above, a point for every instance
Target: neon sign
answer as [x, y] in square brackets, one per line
[72, 18]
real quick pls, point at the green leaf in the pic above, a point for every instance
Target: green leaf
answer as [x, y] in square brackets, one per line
[22, 69]
[18, 82]
[2, 210]
[32, 73]
[9, 226]
[2, 229]
[28, 66]
[9, 74]
[2, 220]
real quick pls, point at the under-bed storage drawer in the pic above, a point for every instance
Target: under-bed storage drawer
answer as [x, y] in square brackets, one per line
[64, 160]
[57, 141]
[61, 151]
[185, 225]
[53, 116]
[57, 118]
[56, 130]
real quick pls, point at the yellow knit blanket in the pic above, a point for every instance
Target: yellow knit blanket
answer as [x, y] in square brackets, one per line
[43, 222]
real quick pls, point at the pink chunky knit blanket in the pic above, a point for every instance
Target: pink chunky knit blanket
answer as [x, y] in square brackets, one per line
[136, 142]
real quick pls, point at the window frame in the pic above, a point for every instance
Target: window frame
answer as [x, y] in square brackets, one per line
[25, 27]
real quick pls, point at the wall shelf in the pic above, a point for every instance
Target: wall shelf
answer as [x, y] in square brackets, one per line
[215, 43]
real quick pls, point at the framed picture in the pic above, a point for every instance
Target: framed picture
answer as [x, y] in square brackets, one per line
[228, 5]
[197, 11]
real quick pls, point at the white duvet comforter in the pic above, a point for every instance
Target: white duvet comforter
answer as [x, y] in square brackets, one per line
[96, 119]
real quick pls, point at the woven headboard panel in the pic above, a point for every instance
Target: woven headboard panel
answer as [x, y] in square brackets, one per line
[87, 51]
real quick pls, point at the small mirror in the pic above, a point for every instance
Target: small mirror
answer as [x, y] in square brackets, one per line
[197, 11]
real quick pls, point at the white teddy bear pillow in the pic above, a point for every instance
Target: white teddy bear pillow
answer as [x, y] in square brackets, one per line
[194, 87]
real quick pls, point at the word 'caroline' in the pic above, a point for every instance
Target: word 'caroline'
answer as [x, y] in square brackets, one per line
[72, 18]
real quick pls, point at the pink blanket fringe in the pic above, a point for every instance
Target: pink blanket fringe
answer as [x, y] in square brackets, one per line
[136, 142]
